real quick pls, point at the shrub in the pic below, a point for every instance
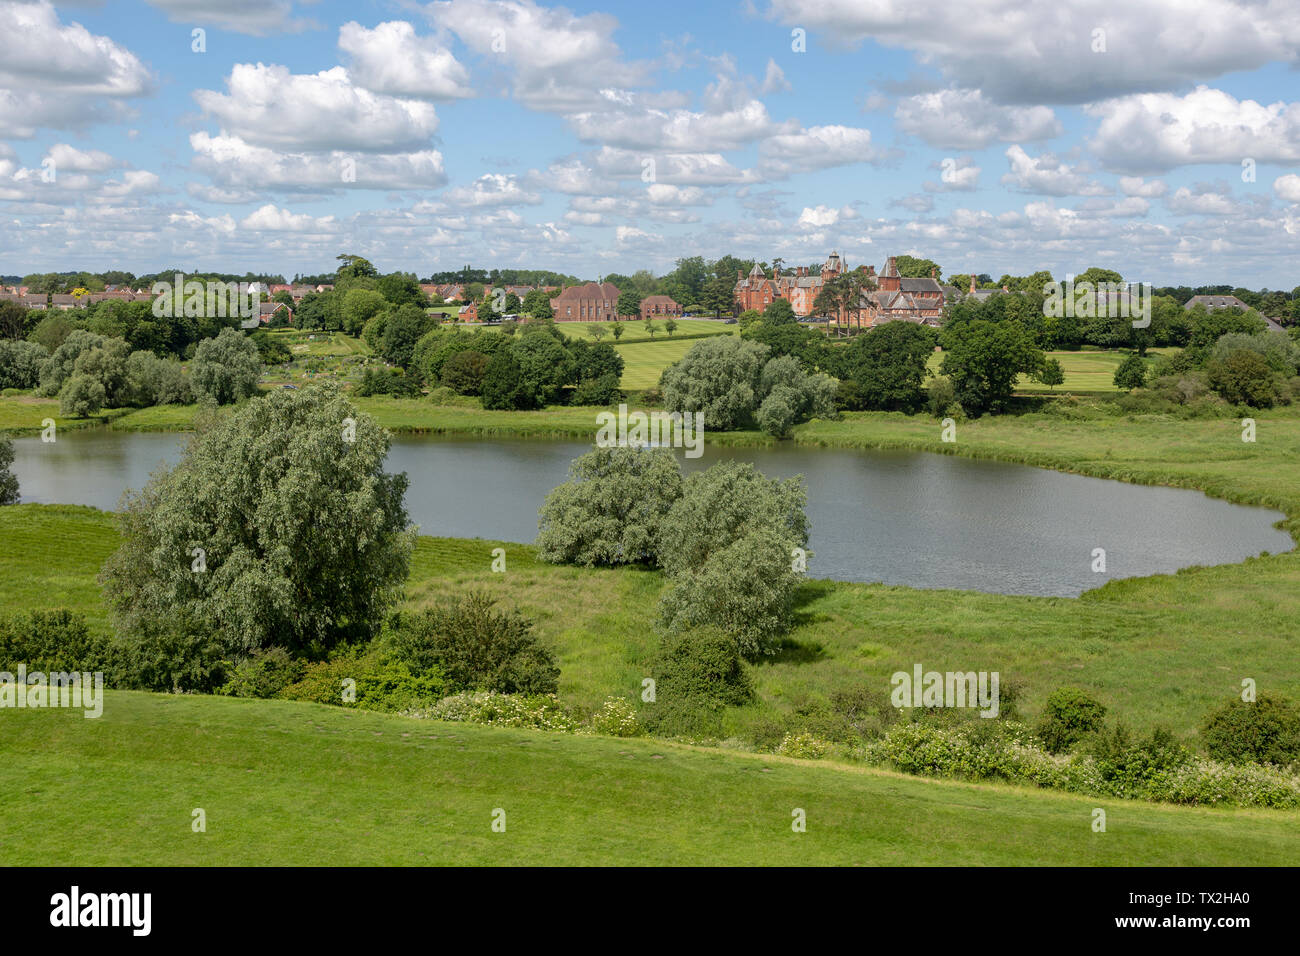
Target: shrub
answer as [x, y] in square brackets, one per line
[1244, 377]
[940, 395]
[463, 373]
[597, 391]
[616, 718]
[54, 640]
[502, 387]
[803, 745]
[20, 363]
[696, 675]
[264, 673]
[387, 381]
[719, 377]
[777, 414]
[540, 711]
[1068, 716]
[81, 397]
[475, 646]
[378, 681]
[1264, 731]
[610, 510]
[8, 480]
[174, 653]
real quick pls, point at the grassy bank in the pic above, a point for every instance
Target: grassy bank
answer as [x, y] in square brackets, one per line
[301, 784]
[1157, 651]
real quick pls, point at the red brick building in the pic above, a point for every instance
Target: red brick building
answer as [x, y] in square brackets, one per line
[659, 306]
[592, 302]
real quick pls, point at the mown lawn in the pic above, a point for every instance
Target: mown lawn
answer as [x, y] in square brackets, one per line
[303, 784]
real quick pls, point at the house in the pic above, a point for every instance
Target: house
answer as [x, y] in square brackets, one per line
[468, 313]
[1213, 302]
[899, 298]
[659, 305]
[591, 302]
[65, 301]
[268, 310]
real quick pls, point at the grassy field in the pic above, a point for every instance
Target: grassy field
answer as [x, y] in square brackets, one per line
[644, 362]
[1156, 650]
[302, 784]
[1086, 372]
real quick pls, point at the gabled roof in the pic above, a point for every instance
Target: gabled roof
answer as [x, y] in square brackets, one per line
[1216, 302]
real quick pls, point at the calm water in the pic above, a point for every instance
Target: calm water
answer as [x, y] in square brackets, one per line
[923, 520]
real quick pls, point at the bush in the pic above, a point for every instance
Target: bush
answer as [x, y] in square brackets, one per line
[264, 673]
[381, 683]
[597, 391]
[463, 372]
[616, 718]
[8, 480]
[720, 377]
[475, 646]
[502, 387]
[940, 396]
[175, 654]
[1068, 716]
[1244, 377]
[387, 381]
[1265, 731]
[54, 640]
[696, 674]
[610, 510]
[777, 414]
[20, 363]
[541, 711]
[803, 745]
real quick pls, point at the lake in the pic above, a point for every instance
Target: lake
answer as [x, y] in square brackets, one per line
[910, 518]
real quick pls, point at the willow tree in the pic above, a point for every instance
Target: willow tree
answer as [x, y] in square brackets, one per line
[278, 527]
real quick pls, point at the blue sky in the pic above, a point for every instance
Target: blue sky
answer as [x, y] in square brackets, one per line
[990, 136]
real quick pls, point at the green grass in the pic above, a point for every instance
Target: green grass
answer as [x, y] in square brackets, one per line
[644, 362]
[1087, 372]
[302, 784]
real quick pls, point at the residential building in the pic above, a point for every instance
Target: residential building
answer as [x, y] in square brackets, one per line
[591, 302]
[656, 306]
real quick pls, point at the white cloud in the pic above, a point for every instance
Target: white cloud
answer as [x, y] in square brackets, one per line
[1203, 200]
[663, 194]
[273, 219]
[234, 163]
[817, 147]
[966, 119]
[1288, 187]
[1048, 175]
[61, 76]
[560, 61]
[492, 189]
[65, 157]
[253, 17]
[269, 106]
[774, 80]
[822, 216]
[391, 59]
[959, 174]
[1043, 53]
[1159, 131]
[1137, 186]
[676, 130]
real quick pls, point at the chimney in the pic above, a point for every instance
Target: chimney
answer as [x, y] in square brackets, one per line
[932, 272]
[740, 275]
[972, 283]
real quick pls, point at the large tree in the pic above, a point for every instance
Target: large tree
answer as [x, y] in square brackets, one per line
[983, 359]
[278, 527]
[888, 365]
[226, 368]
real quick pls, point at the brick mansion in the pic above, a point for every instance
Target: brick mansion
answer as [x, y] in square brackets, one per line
[886, 297]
